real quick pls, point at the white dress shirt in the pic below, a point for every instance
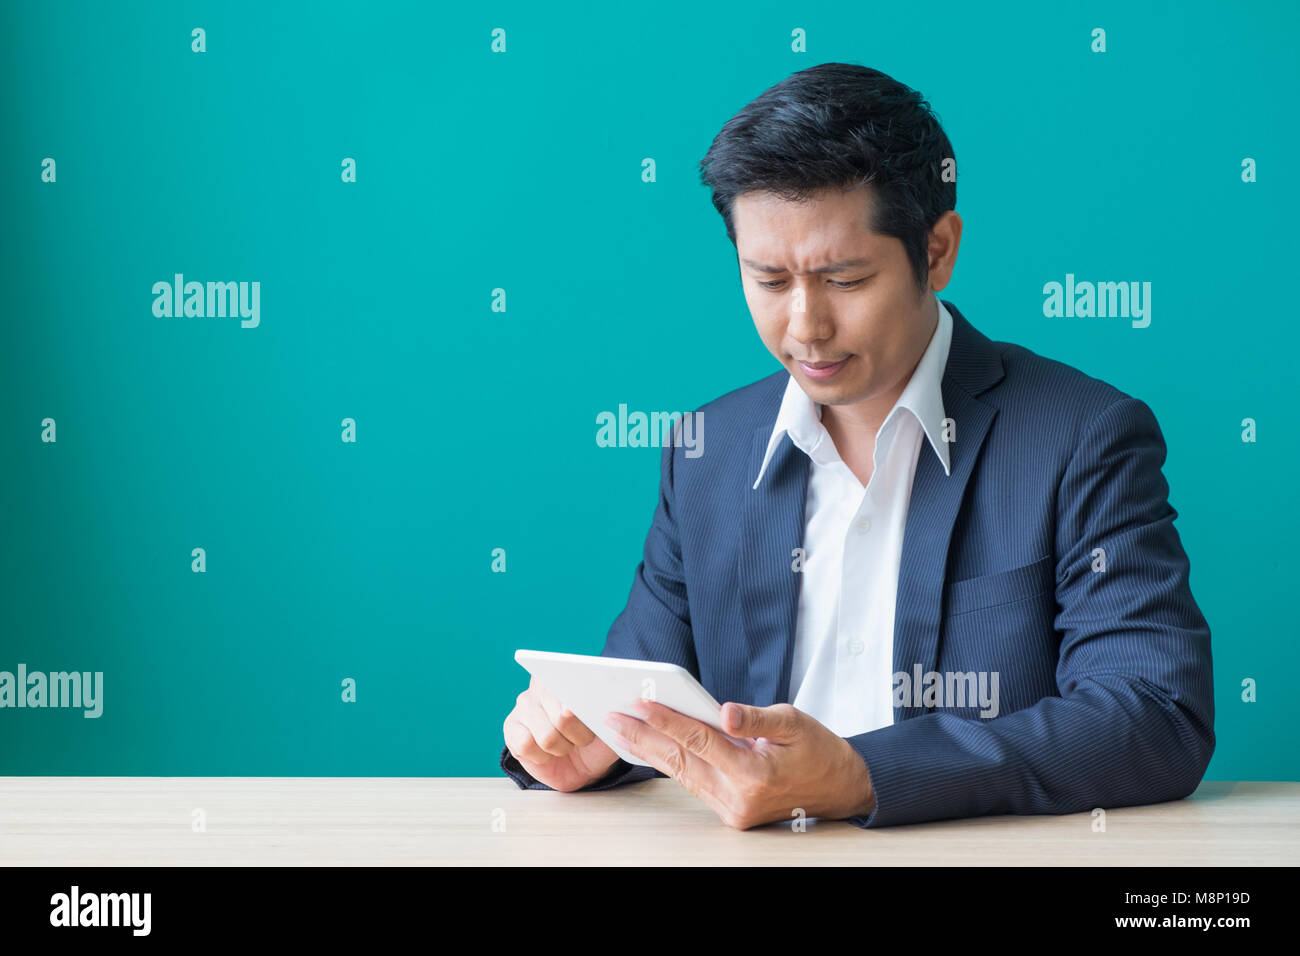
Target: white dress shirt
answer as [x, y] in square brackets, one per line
[842, 671]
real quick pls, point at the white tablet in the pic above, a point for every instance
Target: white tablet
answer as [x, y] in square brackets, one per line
[592, 686]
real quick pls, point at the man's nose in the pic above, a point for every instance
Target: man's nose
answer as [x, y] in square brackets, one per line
[809, 319]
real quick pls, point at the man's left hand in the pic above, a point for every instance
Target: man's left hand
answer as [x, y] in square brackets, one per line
[786, 761]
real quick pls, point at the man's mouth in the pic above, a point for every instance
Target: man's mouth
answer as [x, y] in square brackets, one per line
[822, 370]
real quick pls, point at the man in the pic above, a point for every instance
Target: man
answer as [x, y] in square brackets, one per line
[930, 575]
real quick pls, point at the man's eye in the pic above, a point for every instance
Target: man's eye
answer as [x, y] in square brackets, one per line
[777, 283]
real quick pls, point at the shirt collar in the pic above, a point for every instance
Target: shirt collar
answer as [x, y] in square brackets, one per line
[800, 417]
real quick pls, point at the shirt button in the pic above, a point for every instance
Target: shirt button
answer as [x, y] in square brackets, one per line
[856, 648]
[864, 525]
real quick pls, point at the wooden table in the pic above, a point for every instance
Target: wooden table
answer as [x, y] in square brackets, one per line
[131, 821]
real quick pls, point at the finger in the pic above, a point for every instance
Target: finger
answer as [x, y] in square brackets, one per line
[532, 715]
[704, 781]
[780, 722]
[697, 738]
[565, 721]
[520, 743]
[667, 755]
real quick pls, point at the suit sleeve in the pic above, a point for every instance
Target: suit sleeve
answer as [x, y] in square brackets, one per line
[1134, 719]
[655, 624]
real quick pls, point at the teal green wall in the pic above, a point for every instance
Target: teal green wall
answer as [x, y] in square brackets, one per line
[476, 428]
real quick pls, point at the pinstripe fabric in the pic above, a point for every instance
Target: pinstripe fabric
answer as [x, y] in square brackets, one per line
[1105, 679]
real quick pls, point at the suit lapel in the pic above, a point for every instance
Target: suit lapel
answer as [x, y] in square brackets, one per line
[773, 526]
[769, 585]
[973, 365]
[931, 514]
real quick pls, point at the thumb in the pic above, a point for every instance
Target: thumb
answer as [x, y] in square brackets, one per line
[744, 720]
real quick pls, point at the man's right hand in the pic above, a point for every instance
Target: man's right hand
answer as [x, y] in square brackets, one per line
[552, 744]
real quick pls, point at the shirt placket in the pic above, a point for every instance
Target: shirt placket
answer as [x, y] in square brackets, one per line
[853, 621]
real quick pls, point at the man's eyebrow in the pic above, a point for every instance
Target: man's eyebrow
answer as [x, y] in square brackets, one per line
[841, 266]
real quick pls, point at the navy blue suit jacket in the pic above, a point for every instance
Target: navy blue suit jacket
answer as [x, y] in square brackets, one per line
[1105, 684]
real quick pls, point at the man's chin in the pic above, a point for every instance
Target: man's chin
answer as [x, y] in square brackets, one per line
[832, 392]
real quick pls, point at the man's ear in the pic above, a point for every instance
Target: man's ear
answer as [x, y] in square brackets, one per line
[945, 239]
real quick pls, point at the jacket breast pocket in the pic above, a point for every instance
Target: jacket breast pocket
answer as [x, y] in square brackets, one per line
[1001, 587]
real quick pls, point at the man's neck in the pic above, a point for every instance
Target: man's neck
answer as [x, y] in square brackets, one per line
[853, 428]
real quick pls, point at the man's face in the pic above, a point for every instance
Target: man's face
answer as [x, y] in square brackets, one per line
[850, 333]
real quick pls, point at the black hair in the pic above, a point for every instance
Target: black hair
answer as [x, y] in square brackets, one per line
[838, 125]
